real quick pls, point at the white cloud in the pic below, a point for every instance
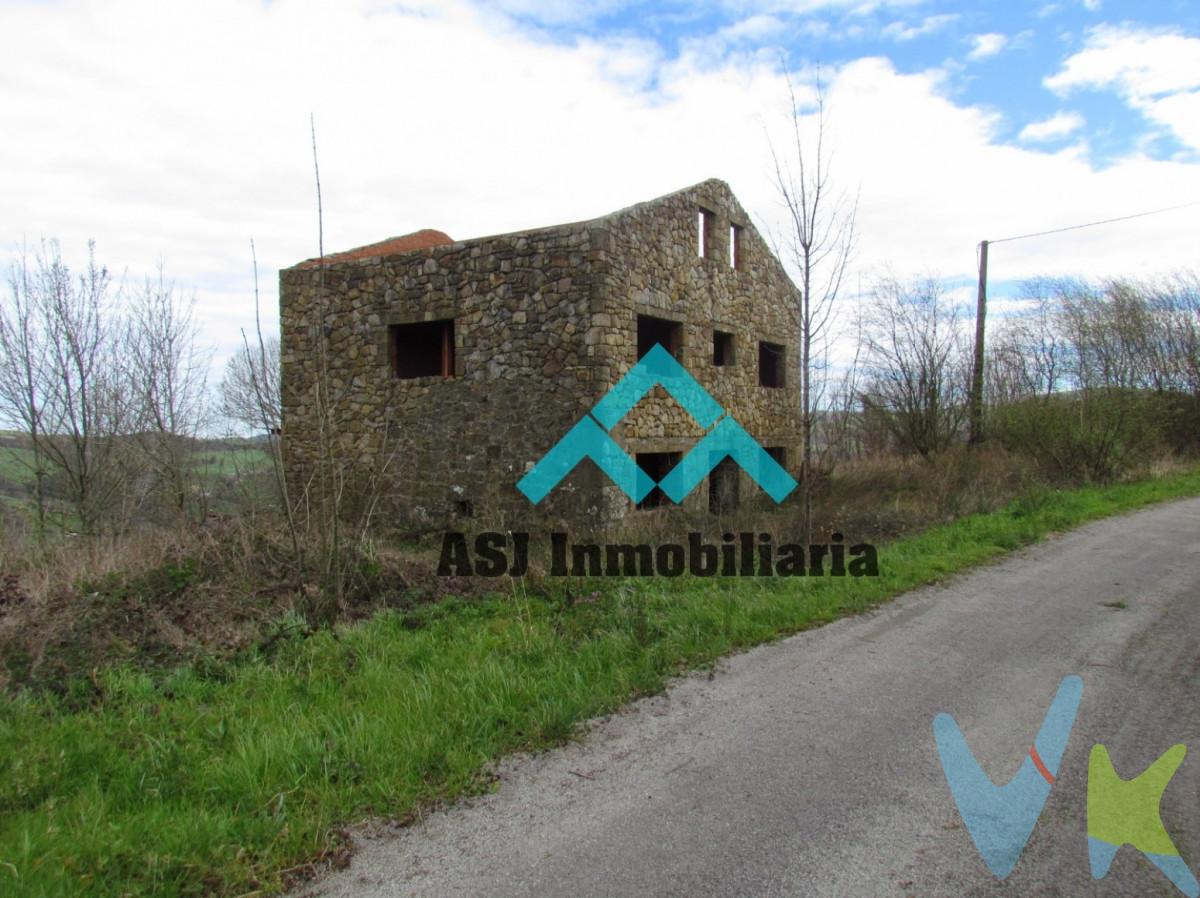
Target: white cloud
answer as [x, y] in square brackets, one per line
[754, 27]
[1181, 113]
[182, 132]
[807, 7]
[559, 12]
[1092, 5]
[1139, 62]
[985, 45]
[1058, 125]
[1155, 71]
[902, 31]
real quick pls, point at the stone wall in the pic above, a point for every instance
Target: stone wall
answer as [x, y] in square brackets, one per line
[657, 271]
[441, 448]
[545, 322]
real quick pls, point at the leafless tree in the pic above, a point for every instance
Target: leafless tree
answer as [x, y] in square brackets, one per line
[916, 364]
[250, 398]
[108, 398]
[343, 492]
[168, 373]
[1176, 302]
[837, 424]
[1029, 356]
[818, 243]
[1094, 378]
[250, 389]
[85, 406]
[23, 376]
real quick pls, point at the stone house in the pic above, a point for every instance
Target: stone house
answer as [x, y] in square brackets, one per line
[453, 366]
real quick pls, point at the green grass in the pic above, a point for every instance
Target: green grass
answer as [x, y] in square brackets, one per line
[16, 463]
[213, 468]
[217, 782]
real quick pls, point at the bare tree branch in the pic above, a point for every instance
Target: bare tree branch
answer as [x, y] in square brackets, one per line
[818, 244]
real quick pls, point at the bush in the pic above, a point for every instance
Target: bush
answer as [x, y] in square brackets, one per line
[1088, 435]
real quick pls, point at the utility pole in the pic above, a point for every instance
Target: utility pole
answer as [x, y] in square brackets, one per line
[976, 410]
[975, 400]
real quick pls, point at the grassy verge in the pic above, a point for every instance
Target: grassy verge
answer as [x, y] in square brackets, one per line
[220, 781]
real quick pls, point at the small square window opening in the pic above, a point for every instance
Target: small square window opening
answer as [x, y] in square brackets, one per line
[424, 349]
[651, 330]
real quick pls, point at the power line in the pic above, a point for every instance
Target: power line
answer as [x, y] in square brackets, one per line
[976, 392]
[1092, 224]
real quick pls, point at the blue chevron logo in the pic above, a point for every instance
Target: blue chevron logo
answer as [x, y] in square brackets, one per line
[590, 438]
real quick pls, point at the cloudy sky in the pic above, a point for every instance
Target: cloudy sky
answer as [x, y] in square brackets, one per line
[180, 131]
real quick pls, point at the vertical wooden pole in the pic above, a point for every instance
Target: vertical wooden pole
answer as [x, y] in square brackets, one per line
[976, 399]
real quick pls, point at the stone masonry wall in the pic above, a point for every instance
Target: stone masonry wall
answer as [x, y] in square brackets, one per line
[657, 270]
[442, 449]
[545, 322]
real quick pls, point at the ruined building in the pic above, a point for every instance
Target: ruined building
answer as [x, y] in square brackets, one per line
[451, 367]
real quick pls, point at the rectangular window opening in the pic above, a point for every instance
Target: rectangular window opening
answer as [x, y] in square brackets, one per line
[651, 330]
[770, 364]
[657, 465]
[735, 246]
[778, 453]
[724, 484]
[707, 223]
[424, 349]
[722, 349]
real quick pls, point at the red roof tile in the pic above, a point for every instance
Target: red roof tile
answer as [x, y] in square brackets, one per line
[423, 239]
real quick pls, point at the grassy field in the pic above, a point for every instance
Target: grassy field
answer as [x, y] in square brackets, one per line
[217, 469]
[229, 780]
[16, 463]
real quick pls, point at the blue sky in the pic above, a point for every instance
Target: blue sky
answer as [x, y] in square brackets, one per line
[179, 131]
[996, 55]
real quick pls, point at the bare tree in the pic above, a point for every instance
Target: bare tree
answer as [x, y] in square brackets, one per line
[168, 376]
[23, 376]
[1088, 383]
[345, 478]
[1177, 304]
[250, 389]
[837, 424]
[65, 383]
[1029, 356]
[250, 397]
[818, 244]
[916, 364]
[331, 465]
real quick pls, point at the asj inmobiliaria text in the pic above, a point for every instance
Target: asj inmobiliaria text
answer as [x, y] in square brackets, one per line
[494, 554]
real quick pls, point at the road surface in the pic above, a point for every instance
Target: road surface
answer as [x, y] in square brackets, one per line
[808, 767]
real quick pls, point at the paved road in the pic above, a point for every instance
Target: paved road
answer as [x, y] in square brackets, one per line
[808, 767]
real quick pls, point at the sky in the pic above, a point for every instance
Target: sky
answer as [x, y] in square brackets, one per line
[178, 132]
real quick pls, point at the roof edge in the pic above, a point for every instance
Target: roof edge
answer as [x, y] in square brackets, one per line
[428, 238]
